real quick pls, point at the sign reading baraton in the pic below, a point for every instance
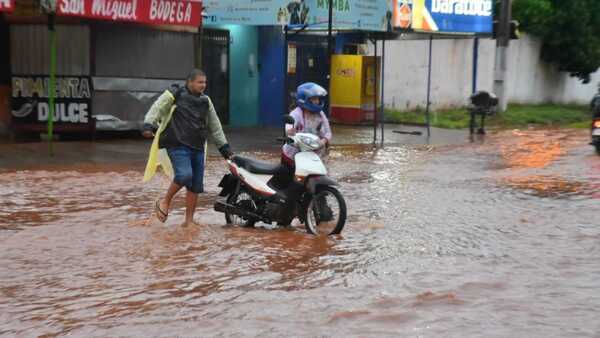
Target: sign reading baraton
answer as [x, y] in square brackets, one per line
[460, 16]
[29, 101]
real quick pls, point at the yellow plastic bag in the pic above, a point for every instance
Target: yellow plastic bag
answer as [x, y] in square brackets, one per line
[159, 157]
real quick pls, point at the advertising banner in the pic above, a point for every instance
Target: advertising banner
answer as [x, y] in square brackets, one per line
[7, 5]
[347, 14]
[402, 13]
[453, 16]
[152, 12]
[370, 15]
[29, 100]
[257, 13]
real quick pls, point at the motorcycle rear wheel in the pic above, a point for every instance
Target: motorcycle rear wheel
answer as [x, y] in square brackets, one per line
[321, 216]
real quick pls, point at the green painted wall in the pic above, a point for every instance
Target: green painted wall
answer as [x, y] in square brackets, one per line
[243, 75]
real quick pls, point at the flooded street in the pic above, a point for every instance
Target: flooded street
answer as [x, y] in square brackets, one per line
[498, 237]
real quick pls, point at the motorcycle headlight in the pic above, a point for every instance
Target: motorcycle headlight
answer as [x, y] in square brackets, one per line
[310, 142]
[597, 124]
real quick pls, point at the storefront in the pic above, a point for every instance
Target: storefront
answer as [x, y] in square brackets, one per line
[258, 30]
[113, 58]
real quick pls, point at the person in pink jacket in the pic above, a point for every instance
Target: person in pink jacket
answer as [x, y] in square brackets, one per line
[308, 118]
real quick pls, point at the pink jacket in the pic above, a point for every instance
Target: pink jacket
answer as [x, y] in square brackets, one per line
[316, 124]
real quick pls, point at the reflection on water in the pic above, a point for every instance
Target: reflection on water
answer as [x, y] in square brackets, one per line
[498, 237]
[547, 186]
[534, 149]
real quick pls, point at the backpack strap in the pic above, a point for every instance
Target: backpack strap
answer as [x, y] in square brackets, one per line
[176, 90]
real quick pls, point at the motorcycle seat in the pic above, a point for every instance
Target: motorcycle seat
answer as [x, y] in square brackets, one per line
[256, 166]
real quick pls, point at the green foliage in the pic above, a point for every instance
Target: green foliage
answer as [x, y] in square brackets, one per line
[516, 116]
[569, 29]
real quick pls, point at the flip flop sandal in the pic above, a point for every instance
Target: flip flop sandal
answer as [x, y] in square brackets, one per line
[161, 215]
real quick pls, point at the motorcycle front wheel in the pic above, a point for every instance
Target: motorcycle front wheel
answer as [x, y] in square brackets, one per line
[326, 212]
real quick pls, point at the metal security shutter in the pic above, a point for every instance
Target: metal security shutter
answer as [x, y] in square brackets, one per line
[30, 50]
[133, 52]
[215, 61]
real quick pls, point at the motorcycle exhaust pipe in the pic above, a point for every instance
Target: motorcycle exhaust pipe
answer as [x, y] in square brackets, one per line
[232, 209]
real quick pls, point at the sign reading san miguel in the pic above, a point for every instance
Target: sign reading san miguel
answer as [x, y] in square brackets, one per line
[29, 101]
[154, 12]
[7, 5]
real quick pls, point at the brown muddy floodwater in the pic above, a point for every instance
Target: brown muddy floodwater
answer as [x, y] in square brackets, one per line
[496, 238]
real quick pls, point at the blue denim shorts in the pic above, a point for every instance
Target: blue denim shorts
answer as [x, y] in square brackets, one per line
[188, 164]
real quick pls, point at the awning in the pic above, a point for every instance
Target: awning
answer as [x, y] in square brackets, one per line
[150, 12]
[7, 5]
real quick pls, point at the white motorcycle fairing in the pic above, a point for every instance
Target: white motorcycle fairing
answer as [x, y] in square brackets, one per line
[309, 163]
[255, 181]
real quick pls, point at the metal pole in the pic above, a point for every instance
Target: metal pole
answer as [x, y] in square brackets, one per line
[375, 92]
[429, 87]
[500, 67]
[199, 44]
[329, 50]
[52, 82]
[382, 120]
[475, 63]
[285, 75]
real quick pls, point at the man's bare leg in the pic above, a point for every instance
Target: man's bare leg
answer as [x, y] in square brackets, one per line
[190, 208]
[165, 203]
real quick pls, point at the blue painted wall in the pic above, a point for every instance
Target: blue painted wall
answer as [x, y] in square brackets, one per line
[256, 73]
[272, 68]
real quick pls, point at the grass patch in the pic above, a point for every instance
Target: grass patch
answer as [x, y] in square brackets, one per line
[569, 116]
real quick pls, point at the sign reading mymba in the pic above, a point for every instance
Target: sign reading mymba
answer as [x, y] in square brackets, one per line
[29, 101]
[347, 14]
[460, 16]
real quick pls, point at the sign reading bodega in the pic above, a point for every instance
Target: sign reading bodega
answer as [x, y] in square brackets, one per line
[157, 12]
[170, 11]
[29, 101]
[462, 7]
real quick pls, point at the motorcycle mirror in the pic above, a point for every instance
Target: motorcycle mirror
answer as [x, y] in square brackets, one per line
[285, 140]
[288, 119]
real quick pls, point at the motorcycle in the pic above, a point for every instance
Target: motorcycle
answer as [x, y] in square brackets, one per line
[259, 191]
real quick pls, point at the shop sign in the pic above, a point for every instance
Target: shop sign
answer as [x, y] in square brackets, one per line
[453, 16]
[369, 15]
[152, 12]
[402, 13]
[347, 14]
[29, 99]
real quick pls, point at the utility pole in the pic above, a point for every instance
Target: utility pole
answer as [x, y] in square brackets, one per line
[329, 52]
[500, 67]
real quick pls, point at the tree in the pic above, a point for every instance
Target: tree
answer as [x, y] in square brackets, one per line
[569, 29]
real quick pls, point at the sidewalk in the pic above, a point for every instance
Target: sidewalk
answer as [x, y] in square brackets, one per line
[34, 155]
